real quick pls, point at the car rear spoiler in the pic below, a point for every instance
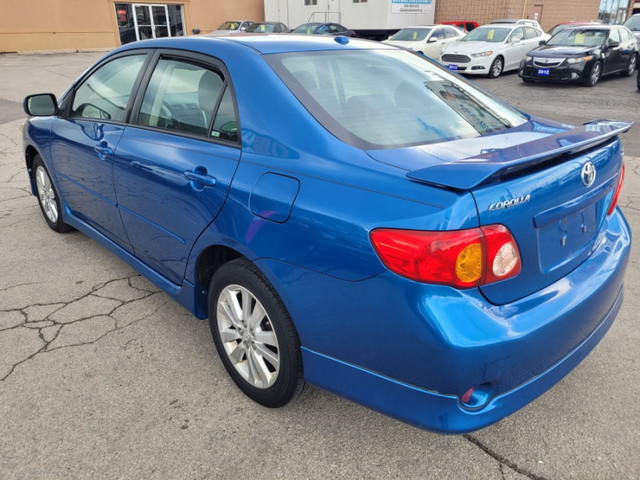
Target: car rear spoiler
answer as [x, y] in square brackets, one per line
[468, 173]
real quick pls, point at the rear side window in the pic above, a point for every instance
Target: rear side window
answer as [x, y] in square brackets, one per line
[389, 98]
[186, 97]
[104, 95]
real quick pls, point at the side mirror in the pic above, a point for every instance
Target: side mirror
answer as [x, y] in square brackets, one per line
[195, 31]
[542, 42]
[40, 105]
[432, 40]
[613, 44]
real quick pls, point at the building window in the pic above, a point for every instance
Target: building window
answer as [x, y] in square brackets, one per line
[310, 2]
[360, 1]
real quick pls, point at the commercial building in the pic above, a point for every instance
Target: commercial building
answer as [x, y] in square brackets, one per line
[101, 24]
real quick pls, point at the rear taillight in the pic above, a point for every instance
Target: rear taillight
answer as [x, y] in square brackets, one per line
[616, 194]
[460, 258]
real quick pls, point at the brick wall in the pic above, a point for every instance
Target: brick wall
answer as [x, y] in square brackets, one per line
[483, 11]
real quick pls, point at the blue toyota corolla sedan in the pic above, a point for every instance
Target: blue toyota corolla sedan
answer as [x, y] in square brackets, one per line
[346, 214]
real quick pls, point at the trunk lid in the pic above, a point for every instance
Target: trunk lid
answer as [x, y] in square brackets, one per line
[552, 192]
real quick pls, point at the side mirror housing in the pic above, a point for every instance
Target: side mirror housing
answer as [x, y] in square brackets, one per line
[542, 42]
[613, 44]
[432, 40]
[40, 105]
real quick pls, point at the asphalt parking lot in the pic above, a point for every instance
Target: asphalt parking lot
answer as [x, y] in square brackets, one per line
[103, 376]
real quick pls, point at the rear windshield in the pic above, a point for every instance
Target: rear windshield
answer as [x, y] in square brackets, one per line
[487, 34]
[579, 37]
[410, 35]
[389, 98]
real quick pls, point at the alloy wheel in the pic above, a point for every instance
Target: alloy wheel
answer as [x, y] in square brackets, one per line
[247, 336]
[47, 194]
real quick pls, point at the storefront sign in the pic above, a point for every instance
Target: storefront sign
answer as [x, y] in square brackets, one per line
[410, 6]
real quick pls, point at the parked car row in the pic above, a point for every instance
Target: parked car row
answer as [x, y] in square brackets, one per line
[581, 52]
[313, 28]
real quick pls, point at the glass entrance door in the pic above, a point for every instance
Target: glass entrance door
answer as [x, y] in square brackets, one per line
[141, 21]
[151, 21]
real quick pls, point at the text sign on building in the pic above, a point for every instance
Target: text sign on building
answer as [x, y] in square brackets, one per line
[409, 6]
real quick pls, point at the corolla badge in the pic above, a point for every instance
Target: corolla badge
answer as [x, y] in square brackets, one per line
[512, 202]
[588, 174]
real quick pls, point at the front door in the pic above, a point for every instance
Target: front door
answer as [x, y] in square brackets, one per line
[85, 139]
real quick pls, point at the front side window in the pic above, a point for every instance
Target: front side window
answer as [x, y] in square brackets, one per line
[517, 35]
[384, 99]
[614, 36]
[105, 93]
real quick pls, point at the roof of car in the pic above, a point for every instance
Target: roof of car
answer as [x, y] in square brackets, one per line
[591, 26]
[259, 42]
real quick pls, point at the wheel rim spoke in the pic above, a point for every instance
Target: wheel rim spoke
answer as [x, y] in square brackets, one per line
[267, 355]
[267, 338]
[230, 308]
[260, 368]
[230, 335]
[237, 353]
[257, 315]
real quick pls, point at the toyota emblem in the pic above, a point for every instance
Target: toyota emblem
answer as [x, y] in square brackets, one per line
[588, 174]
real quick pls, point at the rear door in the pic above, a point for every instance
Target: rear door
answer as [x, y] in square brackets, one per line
[173, 167]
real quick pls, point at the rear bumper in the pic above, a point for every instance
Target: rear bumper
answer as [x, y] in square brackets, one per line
[411, 350]
[433, 410]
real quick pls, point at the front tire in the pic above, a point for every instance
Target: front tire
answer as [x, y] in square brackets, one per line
[496, 68]
[254, 335]
[631, 67]
[594, 74]
[48, 197]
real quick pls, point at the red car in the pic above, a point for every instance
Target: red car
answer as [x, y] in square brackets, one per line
[465, 25]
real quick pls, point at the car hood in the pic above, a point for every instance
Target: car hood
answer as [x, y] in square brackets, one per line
[561, 51]
[466, 48]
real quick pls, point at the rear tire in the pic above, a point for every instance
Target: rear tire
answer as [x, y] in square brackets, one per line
[254, 335]
[48, 197]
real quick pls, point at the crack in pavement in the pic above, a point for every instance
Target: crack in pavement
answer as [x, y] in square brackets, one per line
[502, 460]
[50, 326]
